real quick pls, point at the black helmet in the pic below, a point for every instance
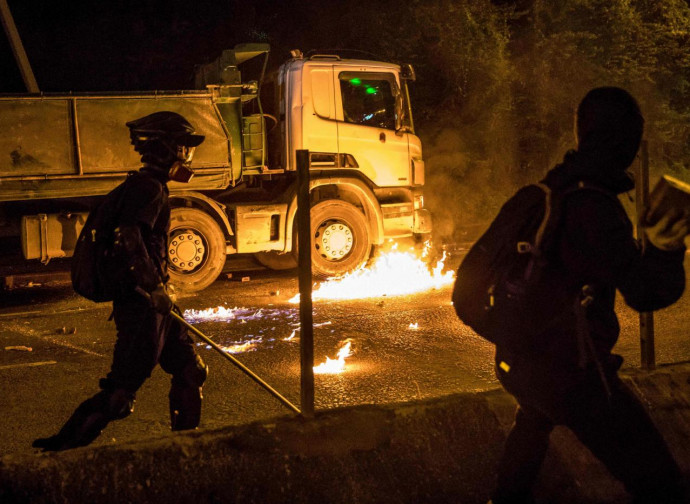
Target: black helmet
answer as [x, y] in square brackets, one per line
[166, 142]
[166, 126]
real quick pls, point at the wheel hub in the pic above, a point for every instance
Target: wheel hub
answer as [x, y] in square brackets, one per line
[186, 249]
[336, 241]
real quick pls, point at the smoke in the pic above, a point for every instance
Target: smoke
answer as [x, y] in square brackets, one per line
[504, 115]
[462, 191]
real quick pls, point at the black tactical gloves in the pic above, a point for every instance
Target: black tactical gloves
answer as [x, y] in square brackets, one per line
[160, 300]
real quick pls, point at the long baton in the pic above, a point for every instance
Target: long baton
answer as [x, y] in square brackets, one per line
[229, 357]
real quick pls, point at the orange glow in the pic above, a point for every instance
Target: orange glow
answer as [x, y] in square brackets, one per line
[337, 365]
[393, 273]
[247, 346]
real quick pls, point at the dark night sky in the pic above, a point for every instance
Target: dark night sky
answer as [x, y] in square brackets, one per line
[95, 45]
[84, 45]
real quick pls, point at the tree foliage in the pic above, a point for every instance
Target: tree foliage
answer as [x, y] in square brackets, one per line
[640, 45]
[555, 52]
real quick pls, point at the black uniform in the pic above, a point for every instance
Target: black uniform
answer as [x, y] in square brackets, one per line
[554, 385]
[145, 337]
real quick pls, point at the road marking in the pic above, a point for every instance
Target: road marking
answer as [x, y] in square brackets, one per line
[55, 312]
[28, 364]
[69, 345]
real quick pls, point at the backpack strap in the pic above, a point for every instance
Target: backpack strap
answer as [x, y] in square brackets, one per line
[585, 344]
[547, 215]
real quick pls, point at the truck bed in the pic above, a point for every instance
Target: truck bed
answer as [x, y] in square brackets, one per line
[66, 146]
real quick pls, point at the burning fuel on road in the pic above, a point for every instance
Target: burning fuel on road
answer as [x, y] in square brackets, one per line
[224, 314]
[337, 365]
[394, 273]
[243, 346]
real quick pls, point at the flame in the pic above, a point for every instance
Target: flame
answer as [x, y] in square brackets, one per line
[241, 315]
[337, 365]
[247, 346]
[413, 326]
[394, 273]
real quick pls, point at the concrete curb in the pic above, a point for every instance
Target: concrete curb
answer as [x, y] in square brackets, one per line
[434, 451]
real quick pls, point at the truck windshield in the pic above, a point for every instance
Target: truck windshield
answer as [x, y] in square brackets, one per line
[368, 98]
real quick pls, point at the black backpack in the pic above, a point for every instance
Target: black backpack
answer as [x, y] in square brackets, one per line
[96, 271]
[508, 288]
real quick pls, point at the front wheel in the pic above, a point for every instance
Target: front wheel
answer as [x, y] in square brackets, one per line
[340, 238]
[196, 249]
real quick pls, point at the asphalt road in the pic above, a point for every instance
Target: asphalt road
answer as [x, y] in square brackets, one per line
[71, 341]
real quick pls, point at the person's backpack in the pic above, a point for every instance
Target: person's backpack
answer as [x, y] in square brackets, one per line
[507, 290]
[94, 268]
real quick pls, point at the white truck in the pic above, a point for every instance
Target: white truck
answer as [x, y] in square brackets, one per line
[59, 153]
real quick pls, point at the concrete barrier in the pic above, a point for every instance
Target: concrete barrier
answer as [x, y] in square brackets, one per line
[434, 451]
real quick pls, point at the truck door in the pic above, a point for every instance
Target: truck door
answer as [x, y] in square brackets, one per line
[319, 126]
[365, 103]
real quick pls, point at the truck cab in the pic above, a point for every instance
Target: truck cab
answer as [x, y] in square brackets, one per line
[366, 165]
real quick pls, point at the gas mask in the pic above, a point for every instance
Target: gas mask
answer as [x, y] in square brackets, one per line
[181, 170]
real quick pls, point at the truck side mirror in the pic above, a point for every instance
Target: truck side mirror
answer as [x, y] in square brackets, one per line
[407, 72]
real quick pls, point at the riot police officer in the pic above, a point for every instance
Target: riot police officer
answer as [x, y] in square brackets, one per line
[147, 334]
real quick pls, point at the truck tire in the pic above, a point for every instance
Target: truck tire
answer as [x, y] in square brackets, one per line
[340, 238]
[196, 249]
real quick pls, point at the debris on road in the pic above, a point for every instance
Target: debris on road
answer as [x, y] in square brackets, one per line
[20, 348]
[230, 276]
[66, 330]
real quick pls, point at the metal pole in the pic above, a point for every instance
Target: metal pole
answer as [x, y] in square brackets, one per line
[647, 352]
[237, 363]
[306, 336]
[17, 48]
[229, 357]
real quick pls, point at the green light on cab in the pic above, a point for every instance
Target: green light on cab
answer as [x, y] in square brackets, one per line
[356, 81]
[371, 90]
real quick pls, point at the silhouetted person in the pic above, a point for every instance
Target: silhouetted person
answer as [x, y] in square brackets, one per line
[559, 383]
[147, 334]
